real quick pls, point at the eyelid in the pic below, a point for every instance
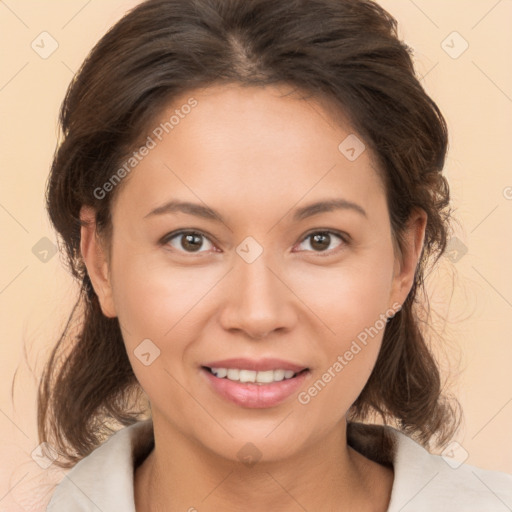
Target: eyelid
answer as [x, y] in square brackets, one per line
[344, 236]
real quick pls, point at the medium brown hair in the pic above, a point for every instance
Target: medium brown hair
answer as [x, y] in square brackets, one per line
[346, 52]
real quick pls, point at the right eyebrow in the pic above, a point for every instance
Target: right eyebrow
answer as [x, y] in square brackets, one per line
[186, 207]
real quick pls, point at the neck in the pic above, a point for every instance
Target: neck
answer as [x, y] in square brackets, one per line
[180, 475]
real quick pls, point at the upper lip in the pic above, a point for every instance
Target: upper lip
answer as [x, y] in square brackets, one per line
[265, 364]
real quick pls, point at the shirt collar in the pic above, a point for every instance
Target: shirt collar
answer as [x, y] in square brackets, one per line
[104, 480]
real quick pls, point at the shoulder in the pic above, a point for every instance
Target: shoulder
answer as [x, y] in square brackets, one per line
[432, 482]
[104, 479]
[425, 482]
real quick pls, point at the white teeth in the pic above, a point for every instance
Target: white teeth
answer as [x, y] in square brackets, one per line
[246, 376]
[233, 374]
[221, 372]
[262, 377]
[279, 374]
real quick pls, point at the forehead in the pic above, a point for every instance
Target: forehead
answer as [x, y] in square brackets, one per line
[252, 146]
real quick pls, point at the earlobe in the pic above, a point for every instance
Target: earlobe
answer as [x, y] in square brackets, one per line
[405, 270]
[96, 261]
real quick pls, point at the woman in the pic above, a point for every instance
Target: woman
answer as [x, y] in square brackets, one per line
[249, 193]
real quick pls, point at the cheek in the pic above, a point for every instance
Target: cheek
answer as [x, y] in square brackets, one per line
[347, 363]
[352, 304]
[152, 298]
[165, 306]
[152, 310]
[348, 298]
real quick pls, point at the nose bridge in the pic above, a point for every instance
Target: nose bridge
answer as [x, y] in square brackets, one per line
[260, 300]
[259, 287]
[258, 279]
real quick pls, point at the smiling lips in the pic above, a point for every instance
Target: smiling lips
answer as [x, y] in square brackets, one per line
[255, 384]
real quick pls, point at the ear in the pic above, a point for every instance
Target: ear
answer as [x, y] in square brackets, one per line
[96, 261]
[409, 255]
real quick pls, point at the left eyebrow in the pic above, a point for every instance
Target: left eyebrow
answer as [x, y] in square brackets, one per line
[327, 206]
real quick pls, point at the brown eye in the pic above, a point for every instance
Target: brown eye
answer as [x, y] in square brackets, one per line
[187, 241]
[321, 241]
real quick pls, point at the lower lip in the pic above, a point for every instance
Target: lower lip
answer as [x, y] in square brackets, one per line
[255, 396]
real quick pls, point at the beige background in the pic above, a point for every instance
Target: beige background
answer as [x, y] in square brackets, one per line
[472, 290]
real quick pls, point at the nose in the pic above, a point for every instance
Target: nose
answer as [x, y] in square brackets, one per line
[259, 300]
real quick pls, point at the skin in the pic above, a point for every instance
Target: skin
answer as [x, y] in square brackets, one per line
[253, 155]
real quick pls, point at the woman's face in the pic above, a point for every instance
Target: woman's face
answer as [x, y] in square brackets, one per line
[268, 280]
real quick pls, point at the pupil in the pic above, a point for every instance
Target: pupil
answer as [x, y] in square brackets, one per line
[319, 238]
[190, 240]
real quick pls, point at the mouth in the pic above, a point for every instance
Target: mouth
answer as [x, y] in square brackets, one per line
[255, 385]
[254, 377]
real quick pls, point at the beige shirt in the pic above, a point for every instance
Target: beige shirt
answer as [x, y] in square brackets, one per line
[104, 480]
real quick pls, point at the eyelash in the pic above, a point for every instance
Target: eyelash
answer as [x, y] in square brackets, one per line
[345, 239]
